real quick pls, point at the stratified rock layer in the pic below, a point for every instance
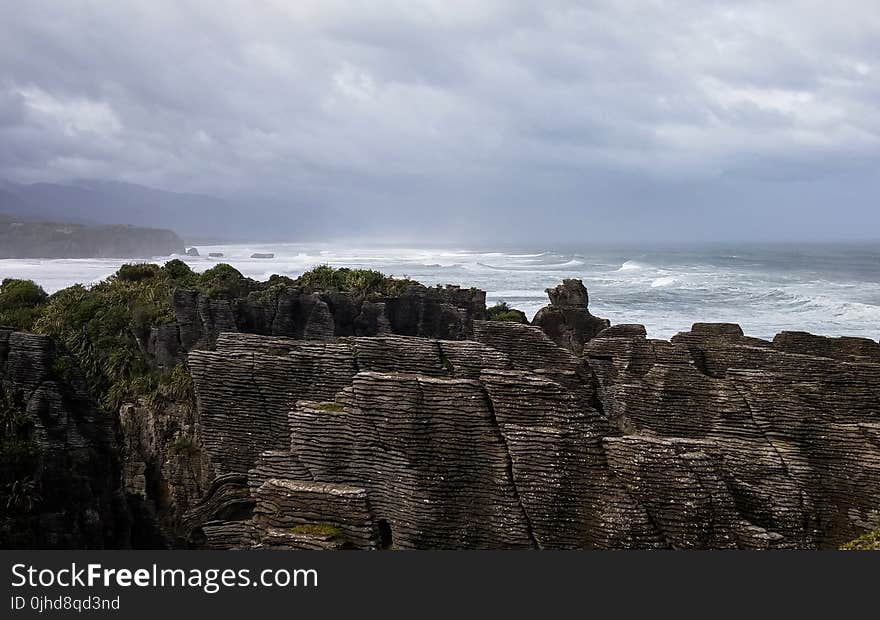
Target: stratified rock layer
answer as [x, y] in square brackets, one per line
[712, 440]
[327, 422]
[301, 313]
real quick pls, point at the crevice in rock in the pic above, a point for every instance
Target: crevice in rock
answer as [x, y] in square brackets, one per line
[510, 474]
[785, 467]
[445, 362]
[386, 538]
[652, 521]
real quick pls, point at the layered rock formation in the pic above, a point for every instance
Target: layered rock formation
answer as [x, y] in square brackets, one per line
[567, 320]
[323, 420]
[299, 312]
[712, 440]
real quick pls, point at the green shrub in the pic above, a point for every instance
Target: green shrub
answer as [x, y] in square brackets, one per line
[361, 281]
[279, 280]
[18, 447]
[18, 453]
[174, 387]
[179, 271]
[22, 496]
[321, 277]
[502, 312]
[223, 280]
[138, 272]
[21, 302]
[21, 293]
[104, 328]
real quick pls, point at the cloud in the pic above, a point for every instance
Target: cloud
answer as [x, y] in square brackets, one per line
[74, 118]
[491, 107]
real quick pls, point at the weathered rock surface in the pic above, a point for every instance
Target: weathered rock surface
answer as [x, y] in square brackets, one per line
[775, 422]
[713, 440]
[567, 321]
[163, 470]
[304, 314]
[325, 421]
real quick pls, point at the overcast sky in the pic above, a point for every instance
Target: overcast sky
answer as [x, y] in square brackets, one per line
[643, 120]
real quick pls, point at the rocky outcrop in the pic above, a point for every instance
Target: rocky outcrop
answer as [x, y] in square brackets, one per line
[793, 436]
[301, 313]
[845, 348]
[567, 321]
[60, 474]
[712, 440]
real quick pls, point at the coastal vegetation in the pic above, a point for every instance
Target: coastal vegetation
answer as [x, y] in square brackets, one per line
[502, 312]
[17, 445]
[106, 327]
[365, 282]
[20, 303]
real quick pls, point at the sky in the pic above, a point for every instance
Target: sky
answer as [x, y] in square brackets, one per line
[486, 119]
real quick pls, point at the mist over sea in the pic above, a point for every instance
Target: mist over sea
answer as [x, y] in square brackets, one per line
[829, 289]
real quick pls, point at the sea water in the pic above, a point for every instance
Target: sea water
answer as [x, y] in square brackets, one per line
[821, 288]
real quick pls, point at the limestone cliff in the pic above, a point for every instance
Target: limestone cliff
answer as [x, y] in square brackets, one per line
[328, 420]
[712, 440]
[308, 314]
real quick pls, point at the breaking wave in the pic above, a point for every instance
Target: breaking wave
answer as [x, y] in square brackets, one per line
[664, 281]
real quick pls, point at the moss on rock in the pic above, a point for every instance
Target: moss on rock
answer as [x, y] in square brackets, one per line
[324, 530]
[866, 542]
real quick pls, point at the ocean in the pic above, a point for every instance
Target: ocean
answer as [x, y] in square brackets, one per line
[829, 289]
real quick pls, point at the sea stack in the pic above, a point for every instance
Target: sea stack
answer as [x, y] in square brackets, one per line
[567, 320]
